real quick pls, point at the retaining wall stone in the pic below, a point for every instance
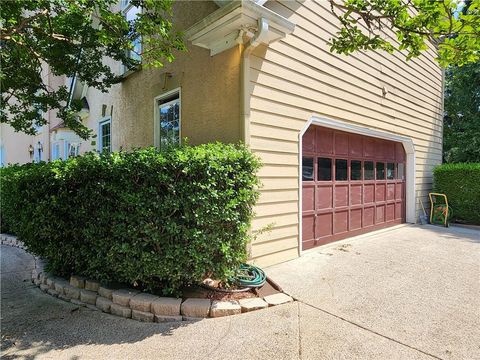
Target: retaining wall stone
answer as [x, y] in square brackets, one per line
[130, 303]
[92, 285]
[142, 316]
[224, 308]
[88, 297]
[165, 306]
[77, 281]
[103, 304]
[195, 308]
[120, 310]
[123, 296]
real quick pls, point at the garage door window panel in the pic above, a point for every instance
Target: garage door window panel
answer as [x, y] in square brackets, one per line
[368, 171]
[324, 166]
[390, 171]
[307, 169]
[380, 167]
[341, 170]
[355, 170]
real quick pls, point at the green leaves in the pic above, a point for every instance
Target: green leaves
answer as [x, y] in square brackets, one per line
[409, 26]
[159, 219]
[460, 183]
[74, 38]
[461, 129]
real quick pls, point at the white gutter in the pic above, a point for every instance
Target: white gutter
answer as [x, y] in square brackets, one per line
[261, 36]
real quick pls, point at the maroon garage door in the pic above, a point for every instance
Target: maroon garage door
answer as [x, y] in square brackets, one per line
[351, 184]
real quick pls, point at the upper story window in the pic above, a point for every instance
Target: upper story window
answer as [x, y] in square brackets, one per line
[38, 152]
[168, 119]
[39, 114]
[105, 136]
[72, 150]
[131, 12]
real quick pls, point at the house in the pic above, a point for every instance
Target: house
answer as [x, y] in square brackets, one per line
[51, 141]
[348, 143]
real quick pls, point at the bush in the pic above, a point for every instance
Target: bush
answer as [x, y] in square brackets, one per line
[7, 197]
[461, 184]
[147, 218]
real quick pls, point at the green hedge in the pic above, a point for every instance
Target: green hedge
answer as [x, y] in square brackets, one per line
[461, 184]
[157, 220]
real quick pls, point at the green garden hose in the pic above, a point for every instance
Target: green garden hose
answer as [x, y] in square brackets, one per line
[250, 276]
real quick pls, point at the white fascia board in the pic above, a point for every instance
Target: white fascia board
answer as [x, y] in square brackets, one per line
[219, 30]
[222, 3]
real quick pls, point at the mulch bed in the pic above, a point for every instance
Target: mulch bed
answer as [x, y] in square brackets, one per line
[202, 293]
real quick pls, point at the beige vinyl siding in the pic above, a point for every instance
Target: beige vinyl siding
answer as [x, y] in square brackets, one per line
[298, 77]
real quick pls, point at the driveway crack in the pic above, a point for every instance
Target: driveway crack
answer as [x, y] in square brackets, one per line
[363, 328]
[299, 332]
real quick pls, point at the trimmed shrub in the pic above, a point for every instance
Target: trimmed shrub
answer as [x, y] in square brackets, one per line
[157, 220]
[461, 184]
[7, 197]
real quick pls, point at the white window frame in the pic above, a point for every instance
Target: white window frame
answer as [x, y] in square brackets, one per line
[101, 122]
[2, 156]
[37, 154]
[68, 148]
[55, 155]
[126, 6]
[156, 115]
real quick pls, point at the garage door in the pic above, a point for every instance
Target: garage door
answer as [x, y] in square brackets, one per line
[351, 184]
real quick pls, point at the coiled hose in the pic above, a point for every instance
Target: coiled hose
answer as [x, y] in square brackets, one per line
[248, 277]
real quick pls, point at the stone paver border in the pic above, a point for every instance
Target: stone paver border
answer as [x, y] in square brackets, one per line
[130, 303]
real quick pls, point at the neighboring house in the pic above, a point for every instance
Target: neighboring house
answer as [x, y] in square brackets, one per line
[348, 143]
[52, 141]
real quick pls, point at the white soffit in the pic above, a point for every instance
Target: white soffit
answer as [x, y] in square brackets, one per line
[220, 30]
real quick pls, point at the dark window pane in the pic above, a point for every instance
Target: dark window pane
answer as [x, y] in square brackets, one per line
[356, 170]
[307, 169]
[380, 171]
[324, 169]
[368, 170]
[390, 171]
[401, 171]
[340, 170]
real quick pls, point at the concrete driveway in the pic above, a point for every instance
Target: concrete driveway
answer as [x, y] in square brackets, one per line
[408, 293]
[418, 287]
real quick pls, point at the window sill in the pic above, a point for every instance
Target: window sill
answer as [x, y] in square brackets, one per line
[130, 72]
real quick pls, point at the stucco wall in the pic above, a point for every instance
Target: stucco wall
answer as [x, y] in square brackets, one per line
[15, 145]
[210, 99]
[298, 77]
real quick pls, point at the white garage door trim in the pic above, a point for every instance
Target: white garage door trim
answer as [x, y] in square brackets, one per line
[344, 126]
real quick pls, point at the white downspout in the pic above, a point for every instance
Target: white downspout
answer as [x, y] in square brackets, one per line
[259, 37]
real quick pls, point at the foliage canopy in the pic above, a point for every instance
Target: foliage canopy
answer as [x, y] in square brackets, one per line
[461, 131]
[74, 38]
[408, 26]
